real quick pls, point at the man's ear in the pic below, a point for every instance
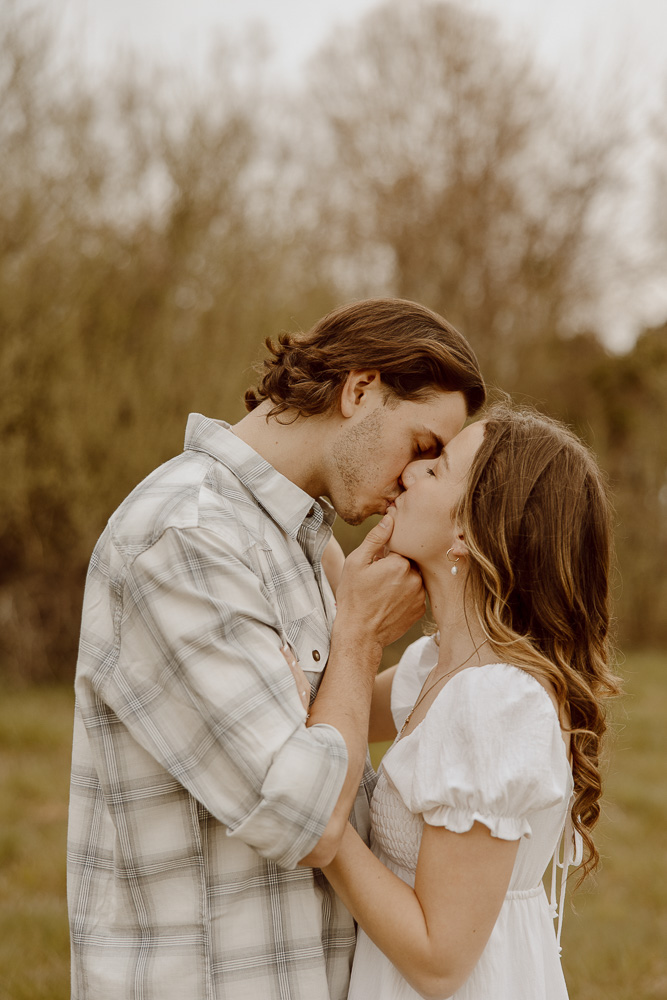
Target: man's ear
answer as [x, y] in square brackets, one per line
[358, 389]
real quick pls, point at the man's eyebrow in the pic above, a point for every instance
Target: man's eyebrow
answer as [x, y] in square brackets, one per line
[435, 438]
[440, 445]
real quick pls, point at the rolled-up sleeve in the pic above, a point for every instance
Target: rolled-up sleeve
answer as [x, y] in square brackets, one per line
[200, 683]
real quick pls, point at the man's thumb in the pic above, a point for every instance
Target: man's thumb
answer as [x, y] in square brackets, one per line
[377, 537]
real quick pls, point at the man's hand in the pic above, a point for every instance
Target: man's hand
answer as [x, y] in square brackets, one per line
[382, 595]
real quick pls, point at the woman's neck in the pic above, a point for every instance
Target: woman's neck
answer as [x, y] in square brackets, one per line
[460, 632]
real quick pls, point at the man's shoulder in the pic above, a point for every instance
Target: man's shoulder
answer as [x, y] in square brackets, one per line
[190, 491]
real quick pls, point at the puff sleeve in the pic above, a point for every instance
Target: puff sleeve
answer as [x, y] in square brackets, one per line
[489, 750]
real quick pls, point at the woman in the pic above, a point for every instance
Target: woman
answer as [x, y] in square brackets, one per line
[495, 767]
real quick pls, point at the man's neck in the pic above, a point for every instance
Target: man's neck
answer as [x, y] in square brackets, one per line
[295, 448]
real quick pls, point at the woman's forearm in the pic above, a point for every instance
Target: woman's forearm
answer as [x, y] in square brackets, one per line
[386, 907]
[435, 933]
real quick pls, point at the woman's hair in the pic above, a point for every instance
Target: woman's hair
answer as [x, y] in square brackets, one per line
[416, 352]
[537, 522]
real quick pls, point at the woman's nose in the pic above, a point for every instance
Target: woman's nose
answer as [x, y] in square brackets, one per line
[412, 471]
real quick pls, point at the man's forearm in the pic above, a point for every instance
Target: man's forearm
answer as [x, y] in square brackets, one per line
[379, 597]
[343, 701]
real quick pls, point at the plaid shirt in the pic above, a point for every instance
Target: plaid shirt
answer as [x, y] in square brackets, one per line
[196, 786]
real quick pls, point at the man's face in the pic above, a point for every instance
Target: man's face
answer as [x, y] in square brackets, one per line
[375, 445]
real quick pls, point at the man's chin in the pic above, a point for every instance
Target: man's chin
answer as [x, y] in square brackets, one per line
[352, 518]
[356, 517]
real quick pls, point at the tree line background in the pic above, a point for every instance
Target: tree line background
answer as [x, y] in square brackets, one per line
[154, 230]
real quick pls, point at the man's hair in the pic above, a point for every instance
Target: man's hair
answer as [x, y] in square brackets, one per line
[416, 352]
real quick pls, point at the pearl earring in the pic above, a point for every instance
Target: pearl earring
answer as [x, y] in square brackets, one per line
[454, 570]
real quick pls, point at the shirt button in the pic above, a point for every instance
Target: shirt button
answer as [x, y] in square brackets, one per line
[316, 655]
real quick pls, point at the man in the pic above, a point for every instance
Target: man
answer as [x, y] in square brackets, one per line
[201, 802]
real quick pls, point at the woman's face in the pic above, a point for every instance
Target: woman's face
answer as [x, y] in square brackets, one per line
[423, 528]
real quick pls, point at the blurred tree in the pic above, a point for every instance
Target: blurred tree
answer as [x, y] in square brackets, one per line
[153, 231]
[451, 172]
[137, 279]
[658, 208]
[633, 390]
[618, 404]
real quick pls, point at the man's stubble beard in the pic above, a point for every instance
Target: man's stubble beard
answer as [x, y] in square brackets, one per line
[353, 460]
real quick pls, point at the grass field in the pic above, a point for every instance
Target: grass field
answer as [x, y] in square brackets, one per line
[615, 941]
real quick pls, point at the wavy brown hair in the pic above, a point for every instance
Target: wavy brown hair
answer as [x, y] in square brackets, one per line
[537, 521]
[416, 352]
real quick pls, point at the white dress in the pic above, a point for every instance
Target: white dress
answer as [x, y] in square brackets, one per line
[489, 750]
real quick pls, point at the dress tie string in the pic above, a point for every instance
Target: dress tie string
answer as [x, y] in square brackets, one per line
[571, 846]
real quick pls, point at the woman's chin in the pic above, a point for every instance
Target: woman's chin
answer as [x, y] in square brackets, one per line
[394, 545]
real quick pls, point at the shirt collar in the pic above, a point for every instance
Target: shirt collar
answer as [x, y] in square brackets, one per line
[282, 499]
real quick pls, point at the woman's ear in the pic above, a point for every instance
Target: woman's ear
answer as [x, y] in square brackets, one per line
[357, 389]
[459, 548]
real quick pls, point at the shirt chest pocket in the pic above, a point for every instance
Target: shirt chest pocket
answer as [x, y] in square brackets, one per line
[296, 599]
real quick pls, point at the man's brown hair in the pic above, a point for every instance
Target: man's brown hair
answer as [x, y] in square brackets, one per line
[416, 352]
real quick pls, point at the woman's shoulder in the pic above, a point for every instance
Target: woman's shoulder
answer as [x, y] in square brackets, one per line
[499, 687]
[489, 745]
[413, 668]
[490, 705]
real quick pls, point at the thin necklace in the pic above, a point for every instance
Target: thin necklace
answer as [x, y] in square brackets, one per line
[441, 678]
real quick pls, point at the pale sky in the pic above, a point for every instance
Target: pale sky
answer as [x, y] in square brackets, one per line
[566, 33]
